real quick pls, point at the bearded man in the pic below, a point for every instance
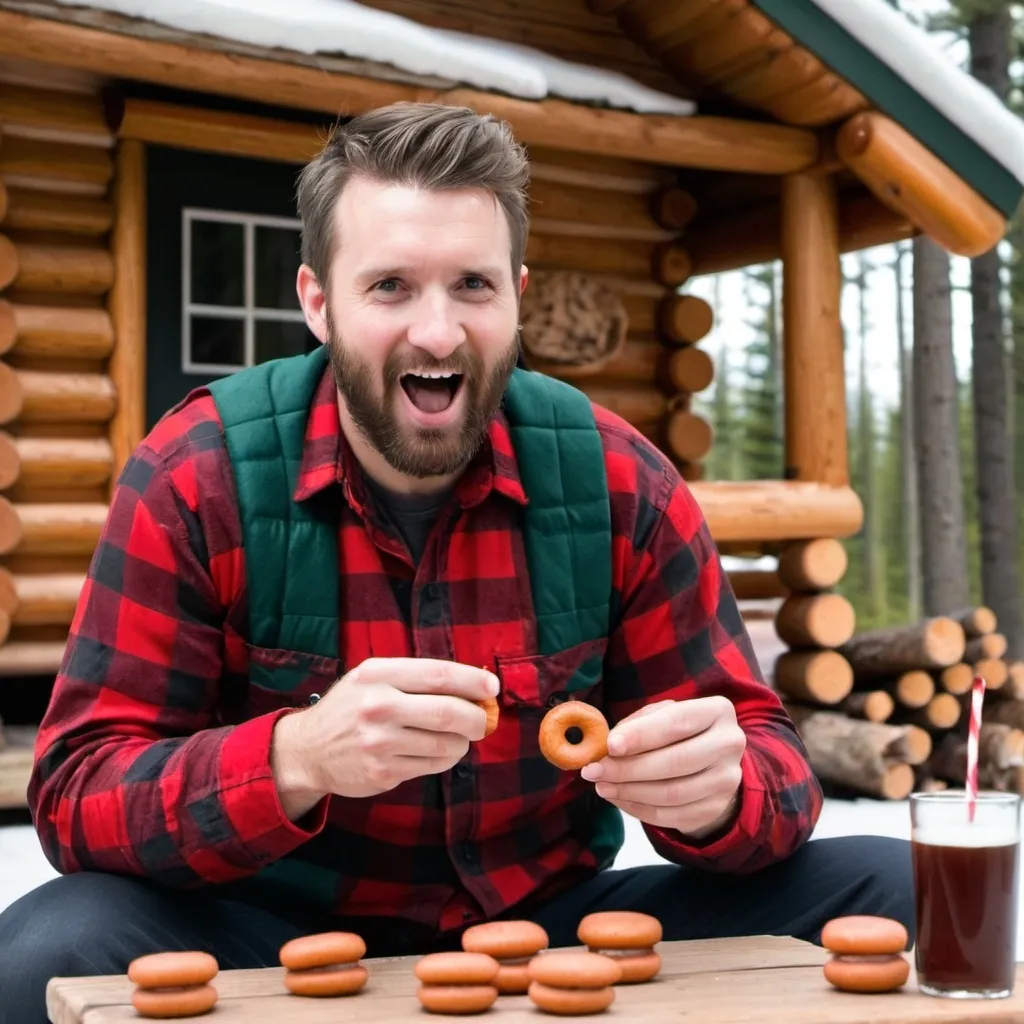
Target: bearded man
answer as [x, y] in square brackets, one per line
[268, 722]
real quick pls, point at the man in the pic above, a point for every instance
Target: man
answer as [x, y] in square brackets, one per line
[267, 719]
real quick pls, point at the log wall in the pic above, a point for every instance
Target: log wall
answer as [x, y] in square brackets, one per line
[623, 223]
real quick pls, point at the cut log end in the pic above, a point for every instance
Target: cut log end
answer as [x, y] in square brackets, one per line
[673, 207]
[815, 620]
[685, 319]
[823, 677]
[915, 688]
[898, 782]
[813, 564]
[957, 678]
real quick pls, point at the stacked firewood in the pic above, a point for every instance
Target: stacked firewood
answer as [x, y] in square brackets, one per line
[885, 711]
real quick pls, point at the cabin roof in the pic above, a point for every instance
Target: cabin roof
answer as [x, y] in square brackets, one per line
[852, 54]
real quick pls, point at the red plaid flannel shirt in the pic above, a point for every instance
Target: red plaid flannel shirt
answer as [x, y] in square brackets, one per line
[153, 756]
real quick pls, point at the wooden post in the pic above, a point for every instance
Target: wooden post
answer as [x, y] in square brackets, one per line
[815, 394]
[127, 303]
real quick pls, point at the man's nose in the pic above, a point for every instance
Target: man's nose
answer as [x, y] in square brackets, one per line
[437, 328]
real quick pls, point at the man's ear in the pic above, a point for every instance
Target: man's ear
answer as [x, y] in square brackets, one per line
[313, 302]
[524, 277]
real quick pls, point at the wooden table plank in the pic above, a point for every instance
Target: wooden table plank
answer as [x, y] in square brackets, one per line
[762, 979]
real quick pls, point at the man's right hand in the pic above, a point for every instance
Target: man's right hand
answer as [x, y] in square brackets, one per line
[386, 721]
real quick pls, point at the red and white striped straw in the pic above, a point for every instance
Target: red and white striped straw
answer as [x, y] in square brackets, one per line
[973, 732]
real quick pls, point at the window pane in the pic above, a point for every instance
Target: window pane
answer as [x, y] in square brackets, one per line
[218, 263]
[217, 340]
[276, 338]
[277, 262]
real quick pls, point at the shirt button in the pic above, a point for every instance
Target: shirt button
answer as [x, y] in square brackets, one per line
[463, 770]
[555, 699]
[314, 698]
[468, 853]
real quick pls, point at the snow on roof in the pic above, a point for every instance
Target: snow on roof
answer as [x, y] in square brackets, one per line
[918, 59]
[354, 30]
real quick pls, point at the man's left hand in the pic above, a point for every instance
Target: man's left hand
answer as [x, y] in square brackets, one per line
[675, 764]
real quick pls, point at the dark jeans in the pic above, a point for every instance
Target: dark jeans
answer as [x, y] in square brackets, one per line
[88, 924]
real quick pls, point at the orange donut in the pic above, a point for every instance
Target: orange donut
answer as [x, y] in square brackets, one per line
[570, 982]
[628, 937]
[562, 751]
[456, 982]
[324, 965]
[866, 953]
[513, 944]
[173, 984]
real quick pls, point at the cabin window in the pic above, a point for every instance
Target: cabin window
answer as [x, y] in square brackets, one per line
[239, 305]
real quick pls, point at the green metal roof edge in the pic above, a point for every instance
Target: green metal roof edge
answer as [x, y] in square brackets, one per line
[847, 56]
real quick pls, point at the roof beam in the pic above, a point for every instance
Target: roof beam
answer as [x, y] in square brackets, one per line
[716, 143]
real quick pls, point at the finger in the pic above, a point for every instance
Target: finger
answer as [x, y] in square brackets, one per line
[428, 675]
[689, 818]
[439, 713]
[645, 710]
[676, 761]
[439, 746]
[665, 725]
[720, 779]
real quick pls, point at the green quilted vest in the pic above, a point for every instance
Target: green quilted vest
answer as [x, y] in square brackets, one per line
[294, 602]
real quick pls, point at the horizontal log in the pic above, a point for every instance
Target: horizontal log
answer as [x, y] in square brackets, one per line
[600, 207]
[815, 620]
[32, 210]
[989, 645]
[867, 756]
[689, 436]
[691, 369]
[934, 642]
[61, 268]
[610, 256]
[663, 27]
[52, 528]
[768, 510]
[685, 319]
[956, 678]
[752, 235]
[777, 72]
[756, 585]
[636, 405]
[47, 599]
[16, 760]
[976, 621]
[36, 395]
[30, 658]
[55, 331]
[911, 180]
[821, 677]
[812, 565]
[24, 159]
[693, 141]
[1000, 746]
[673, 207]
[59, 113]
[671, 264]
[51, 462]
[871, 705]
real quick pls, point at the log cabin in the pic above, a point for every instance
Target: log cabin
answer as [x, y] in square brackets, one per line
[149, 240]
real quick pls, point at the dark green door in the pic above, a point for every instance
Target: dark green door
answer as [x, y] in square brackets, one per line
[223, 249]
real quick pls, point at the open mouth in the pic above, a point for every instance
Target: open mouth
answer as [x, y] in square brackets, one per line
[431, 391]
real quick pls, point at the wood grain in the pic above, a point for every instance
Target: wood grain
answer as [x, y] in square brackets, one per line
[764, 979]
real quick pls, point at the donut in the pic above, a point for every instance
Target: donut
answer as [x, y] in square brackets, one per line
[626, 936]
[561, 750]
[173, 984]
[324, 965]
[513, 944]
[571, 983]
[867, 953]
[490, 705]
[456, 982]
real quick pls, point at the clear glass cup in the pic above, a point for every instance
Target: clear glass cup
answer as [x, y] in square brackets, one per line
[966, 880]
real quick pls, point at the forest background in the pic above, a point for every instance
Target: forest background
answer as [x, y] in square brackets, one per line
[934, 350]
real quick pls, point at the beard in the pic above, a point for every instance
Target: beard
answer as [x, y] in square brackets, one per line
[412, 450]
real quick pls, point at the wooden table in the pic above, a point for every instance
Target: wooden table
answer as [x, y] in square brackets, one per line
[768, 980]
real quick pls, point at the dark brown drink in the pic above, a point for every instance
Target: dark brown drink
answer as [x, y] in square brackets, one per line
[966, 899]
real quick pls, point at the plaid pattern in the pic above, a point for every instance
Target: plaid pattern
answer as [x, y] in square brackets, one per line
[153, 756]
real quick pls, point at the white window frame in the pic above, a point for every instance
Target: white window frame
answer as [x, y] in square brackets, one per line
[249, 313]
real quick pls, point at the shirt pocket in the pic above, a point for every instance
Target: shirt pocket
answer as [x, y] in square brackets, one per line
[280, 678]
[540, 681]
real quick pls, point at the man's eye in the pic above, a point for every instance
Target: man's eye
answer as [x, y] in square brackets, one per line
[388, 285]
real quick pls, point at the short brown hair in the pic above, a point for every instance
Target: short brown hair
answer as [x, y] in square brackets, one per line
[424, 145]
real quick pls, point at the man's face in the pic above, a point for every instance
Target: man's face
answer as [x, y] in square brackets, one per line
[421, 320]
